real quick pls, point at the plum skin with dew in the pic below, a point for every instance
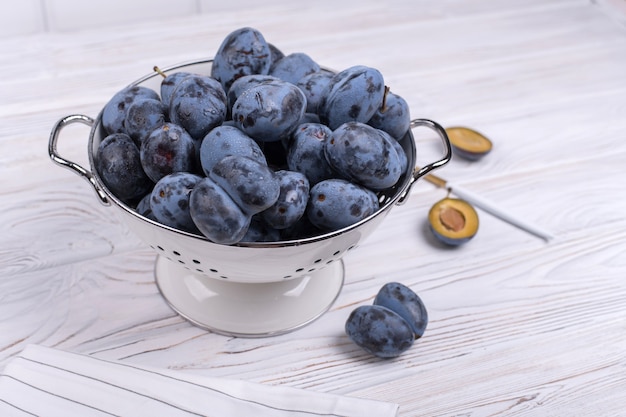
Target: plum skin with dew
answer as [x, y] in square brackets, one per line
[338, 203]
[379, 331]
[406, 303]
[363, 154]
[215, 213]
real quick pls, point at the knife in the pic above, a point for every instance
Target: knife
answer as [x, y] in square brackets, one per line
[489, 206]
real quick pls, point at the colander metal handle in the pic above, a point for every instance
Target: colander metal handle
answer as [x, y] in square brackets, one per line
[58, 159]
[420, 172]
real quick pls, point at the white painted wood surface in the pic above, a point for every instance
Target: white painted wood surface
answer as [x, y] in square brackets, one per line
[518, 327]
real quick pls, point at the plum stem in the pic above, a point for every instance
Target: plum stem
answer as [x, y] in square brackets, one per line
[158, 71]
[383, 106]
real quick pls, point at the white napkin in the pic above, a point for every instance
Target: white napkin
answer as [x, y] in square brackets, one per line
[48, 382]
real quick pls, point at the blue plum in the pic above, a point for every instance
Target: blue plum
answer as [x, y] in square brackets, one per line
[353, 94]
[251, 184]
[224, 141]
[169, 200]
[311, 118]
[361, 154]
[292, 200]
[215, 213]
[306, 153]
[143, 207]
[269, 111]
[275, 52]
[242, 52]
[293, 67]
[118, 163]
[406, 303]
[169, 84]
[302, 229]
[402, 156]
[259, 231]
[379, 331]
[143, 116]
[241, 84]
[114, 111]
[337, 203]
[314, 86]
[393, 116]
[198, 104]
[168, 149]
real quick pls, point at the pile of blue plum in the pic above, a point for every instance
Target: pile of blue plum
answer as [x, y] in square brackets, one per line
[266, 147]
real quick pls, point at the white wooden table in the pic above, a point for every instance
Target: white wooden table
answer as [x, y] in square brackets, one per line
[518, 326]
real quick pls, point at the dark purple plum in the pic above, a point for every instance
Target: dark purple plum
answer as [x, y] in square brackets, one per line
[406, 303]
[114, 112]
[393, 116]
[310, 118]
[306, 152]
[404, 161]
[118, 163]
[359, 153]
[169, 84]
[293, 67]
[379, 331]
[251, 184]
[224, 141]
[170, 200]
[314, 86]
[243, 52]
[166, 150]
[337, 203]
[242, 84]
[353, 94]
[259, 231]
[276, 53]
[292, 200]
[215, 213]
[302, 229]
[270, 111]
[143, 116]
[143, 207]
[198, 104]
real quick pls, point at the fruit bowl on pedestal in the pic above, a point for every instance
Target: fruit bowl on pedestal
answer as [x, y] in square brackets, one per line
[253, 289]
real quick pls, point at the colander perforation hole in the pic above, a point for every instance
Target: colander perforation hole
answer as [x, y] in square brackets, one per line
[337, 253]
[176, 253]
[195, 261]
[200, 270]
[180, 261]
[215, 271]
[160, 248]
[299, 269]
[317, 261]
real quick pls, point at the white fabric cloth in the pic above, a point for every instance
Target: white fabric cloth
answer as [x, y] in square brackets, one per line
[43, 381]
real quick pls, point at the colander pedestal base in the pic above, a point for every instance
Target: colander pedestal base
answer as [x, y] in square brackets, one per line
[248, 309]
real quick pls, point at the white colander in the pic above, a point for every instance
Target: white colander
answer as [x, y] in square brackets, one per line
[247, 289]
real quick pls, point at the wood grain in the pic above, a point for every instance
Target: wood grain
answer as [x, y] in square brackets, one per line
[517, 327]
